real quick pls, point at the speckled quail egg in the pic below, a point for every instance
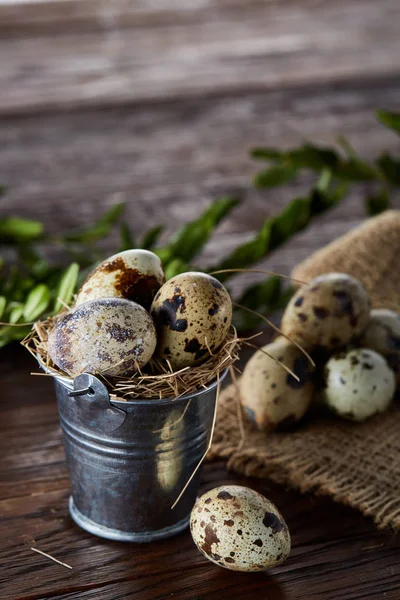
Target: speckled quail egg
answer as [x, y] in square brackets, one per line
[133, 274]
[358, 384]
[328, 312]
[193, 314]
[239, 529]
[111, 336]
[270, 396]
[383, 335]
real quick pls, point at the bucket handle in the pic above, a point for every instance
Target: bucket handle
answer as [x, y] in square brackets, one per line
[92, 401]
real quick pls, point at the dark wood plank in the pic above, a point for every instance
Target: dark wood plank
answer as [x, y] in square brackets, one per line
[333, 547]
[189, 49]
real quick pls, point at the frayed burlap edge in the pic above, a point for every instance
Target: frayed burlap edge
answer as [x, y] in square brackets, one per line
[354, 464]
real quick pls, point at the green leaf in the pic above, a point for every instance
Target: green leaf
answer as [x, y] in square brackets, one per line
[310, 156]
[377, 203]
[37, 302]
[267, 154]
[150, 238]
[278, 229]
[13, 283]
[321, 200]
[347, 147]
[28, 255]
[274, 176]
[292, 219]
[16, 229]
[390, 119]
[41, 269]
[16, 312]
[390, 168]
[66, 287]
[127, 241]
[324, 181]
[3, 303]
[354, 169]
[175, 267]
[189, 240]
[248, 253]
[100, 229]
[10, 334]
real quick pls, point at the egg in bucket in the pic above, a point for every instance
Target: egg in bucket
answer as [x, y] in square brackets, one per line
[136, 388]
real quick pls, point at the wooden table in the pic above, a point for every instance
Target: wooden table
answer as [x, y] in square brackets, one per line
[158, 105]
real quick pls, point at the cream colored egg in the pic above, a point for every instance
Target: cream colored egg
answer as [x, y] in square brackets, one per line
[328, 312]
[193, 314]
[133, 274]
[111, 336]
[270, 396]
[239, 529]
[358, 384]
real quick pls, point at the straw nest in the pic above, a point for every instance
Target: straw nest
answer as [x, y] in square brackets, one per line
[156, 381]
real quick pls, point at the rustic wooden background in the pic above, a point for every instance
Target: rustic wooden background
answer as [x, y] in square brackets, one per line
[157, 104]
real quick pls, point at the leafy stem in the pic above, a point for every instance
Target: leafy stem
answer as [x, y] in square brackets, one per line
[32, 288]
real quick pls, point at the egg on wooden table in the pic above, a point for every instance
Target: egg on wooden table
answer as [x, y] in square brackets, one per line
[112, 336]
[192, 313]
[133, 274]
[239, 529]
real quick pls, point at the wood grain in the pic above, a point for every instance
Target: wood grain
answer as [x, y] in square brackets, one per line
[213, 48]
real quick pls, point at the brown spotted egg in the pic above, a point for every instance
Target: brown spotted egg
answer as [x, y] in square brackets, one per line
[193, 314]
[133, 274]
[110, 336]
[239, 529]
[327, 312]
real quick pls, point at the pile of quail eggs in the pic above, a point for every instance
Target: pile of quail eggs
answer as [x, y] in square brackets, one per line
[125, 314]
[356, 354]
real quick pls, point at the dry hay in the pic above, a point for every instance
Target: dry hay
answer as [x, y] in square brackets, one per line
[156, 381]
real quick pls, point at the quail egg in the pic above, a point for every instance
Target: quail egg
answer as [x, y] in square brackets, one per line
[112, 336]
[328, 312]
[133, 274]
[358, 384]
[239, 529]
[193, 314]
[270, 396]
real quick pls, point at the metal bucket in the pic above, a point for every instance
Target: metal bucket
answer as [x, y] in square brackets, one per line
[129, 461]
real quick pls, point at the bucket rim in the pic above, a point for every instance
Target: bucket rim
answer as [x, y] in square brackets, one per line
[68, 383]
[158, 401]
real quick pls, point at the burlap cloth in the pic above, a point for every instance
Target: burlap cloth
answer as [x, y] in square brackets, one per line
[356, 464]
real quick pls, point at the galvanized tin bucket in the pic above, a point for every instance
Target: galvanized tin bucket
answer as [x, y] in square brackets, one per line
[129, 461]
